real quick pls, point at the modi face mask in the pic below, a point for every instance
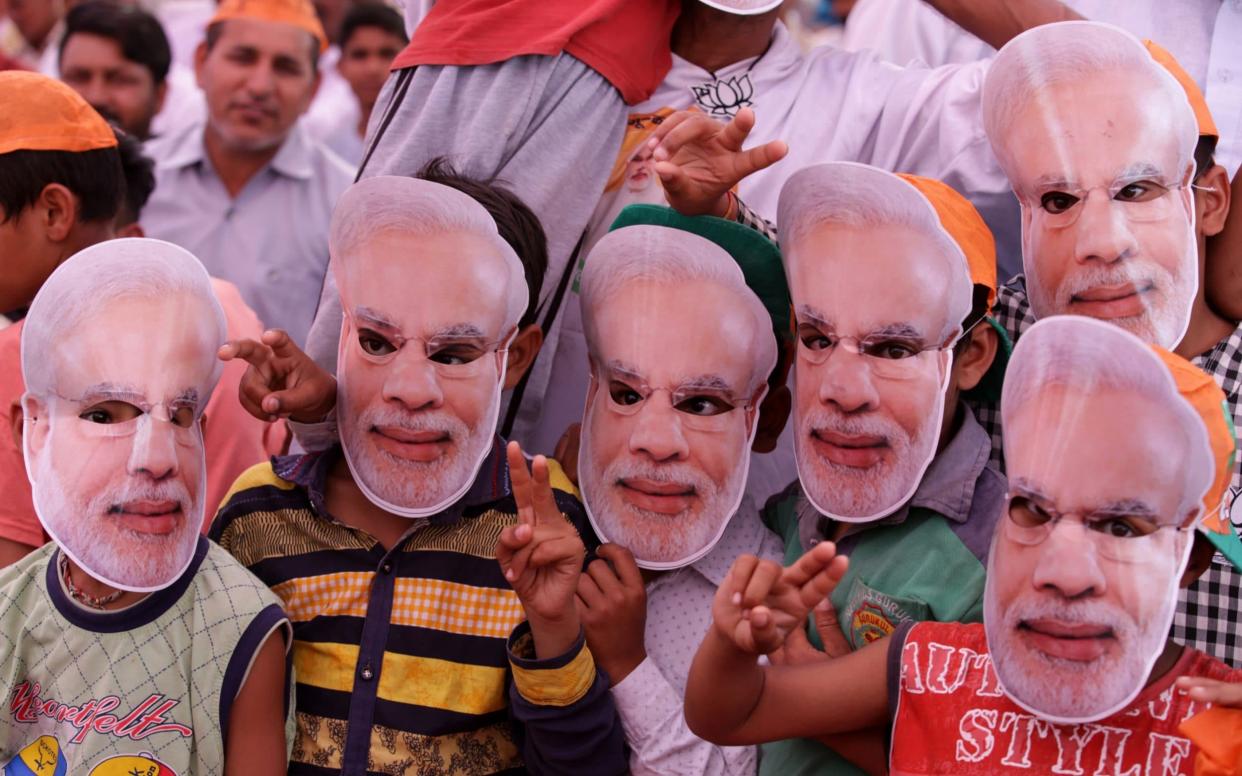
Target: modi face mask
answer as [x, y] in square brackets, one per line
[431, 297]
[1098, 141]
[676, 383]
[118, 372]
[1108, 468]
[880, 291]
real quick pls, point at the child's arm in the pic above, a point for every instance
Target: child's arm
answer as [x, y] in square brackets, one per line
[731, 700]
[256, 724]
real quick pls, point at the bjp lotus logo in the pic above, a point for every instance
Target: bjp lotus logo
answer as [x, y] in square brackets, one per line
[725, 98]
[132, 765]
[41, 758]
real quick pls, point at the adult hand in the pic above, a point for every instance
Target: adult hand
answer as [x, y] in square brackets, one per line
[760, 603]
[699, 159]
[612, 604]
[281, 381]
[541, 556]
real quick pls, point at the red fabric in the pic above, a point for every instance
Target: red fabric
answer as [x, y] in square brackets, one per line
[8, 63]
[625, 41]
[234, 439]
[952, 718]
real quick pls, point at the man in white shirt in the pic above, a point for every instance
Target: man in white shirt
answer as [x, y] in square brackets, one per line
[247, 190]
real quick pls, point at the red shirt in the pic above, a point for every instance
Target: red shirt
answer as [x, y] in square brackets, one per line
[625, 41]
[233, 441]
[953, 718]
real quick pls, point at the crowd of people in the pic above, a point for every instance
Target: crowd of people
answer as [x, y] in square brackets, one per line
[620, 386]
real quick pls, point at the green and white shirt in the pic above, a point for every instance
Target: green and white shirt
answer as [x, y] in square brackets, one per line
[143, 690]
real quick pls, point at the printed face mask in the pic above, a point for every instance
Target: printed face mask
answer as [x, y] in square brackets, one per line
[1102, 164]
[421, 367]
[1107, 468]
[115, 454]
[672, 408]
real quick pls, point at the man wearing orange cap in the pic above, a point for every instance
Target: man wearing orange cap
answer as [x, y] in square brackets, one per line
[1085, 550]
[1126, 245]
[65, 176]
[247, 190]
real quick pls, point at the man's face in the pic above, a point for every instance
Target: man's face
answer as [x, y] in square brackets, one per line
[667, 426]
[419, 369]
[35, 19]
[640, 170]
[867, 424]
[117, 455]
[120, 89]
[1107, 224]
[258, 79]
[1075, 617]
[365, 59]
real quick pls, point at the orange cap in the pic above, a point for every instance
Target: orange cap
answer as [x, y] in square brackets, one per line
[52, 117]
[1208, 400]
[1207, 127]
[964, 224]
[299, 13]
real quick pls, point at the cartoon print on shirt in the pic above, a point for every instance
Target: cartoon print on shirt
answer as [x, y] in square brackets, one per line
[43, 757]
[132, 765]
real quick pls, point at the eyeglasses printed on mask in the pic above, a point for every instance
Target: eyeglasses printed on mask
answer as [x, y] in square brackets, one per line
[1143, 199]
[892, 355]
[452, 355]
[117, 413]
[704, 406]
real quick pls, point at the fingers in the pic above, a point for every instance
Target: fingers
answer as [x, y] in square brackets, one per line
[544, 502]
[302, 398]
[811, 563]
[822, 584]
[254, 353]
[589, 593]
[602, 574]
[760, 584]
[672, 177]
[736, 131]
[695, 128]
[623, 564]
[521, 484]
[281, 344]
[828, 626]
[763, 631]
[512, 550]
[668, 125]
[554, 550]
[739, 577]
[1212, 691]
[760, 157]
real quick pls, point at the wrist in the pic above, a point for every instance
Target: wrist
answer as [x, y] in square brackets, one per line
[554, 636]
[618, 667]
[724, 207]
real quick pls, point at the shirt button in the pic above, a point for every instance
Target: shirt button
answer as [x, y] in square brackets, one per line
[814, 542]
[387, 567]
[366, 673]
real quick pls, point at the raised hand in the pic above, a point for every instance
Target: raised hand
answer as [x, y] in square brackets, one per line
[281, 381]
[612, 604]
[760, 603]
[700, 159]
[798, 649]
[541, 557]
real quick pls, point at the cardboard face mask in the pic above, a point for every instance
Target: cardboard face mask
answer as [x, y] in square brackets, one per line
[116, 389]
[427, 322]
[1098, 142]
[879, 291]
[676, 384]
[1108, 467]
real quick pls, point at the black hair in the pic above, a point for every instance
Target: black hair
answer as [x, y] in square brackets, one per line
[367, 13]
[517, 223]
[139, 171]
[138, 33]
[95, 177]
[1205, 155]
[214, 31]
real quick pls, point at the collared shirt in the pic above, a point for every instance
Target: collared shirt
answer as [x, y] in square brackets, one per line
[416, 659]
[1209, 612]
[271, 241]
[651, 699]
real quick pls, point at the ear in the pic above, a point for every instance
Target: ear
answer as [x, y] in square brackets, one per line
[200, 60]
[30, 408]
[1212, 199]
[773, 414]
[970, 367]
[522, 351]
[57, 210]
[1201, 554]
[161, 94]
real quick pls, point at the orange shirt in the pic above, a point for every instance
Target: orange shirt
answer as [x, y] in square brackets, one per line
[625, 41]
[234, 439]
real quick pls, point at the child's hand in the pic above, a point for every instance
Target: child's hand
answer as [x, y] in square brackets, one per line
[281, 381]
[1212, 691]
[699, 159]
[760, 603]
[541, 557]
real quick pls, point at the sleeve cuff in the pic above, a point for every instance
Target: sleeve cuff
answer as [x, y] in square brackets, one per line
[560, 681]
[316, 437]
[637, 696]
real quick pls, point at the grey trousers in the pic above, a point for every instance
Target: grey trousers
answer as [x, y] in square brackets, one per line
[550, 128]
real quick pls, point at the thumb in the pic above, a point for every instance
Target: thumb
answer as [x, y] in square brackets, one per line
[828, 626]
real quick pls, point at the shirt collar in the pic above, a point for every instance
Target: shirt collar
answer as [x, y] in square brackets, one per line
[293, 160]
[947, 488]
[310, 471]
